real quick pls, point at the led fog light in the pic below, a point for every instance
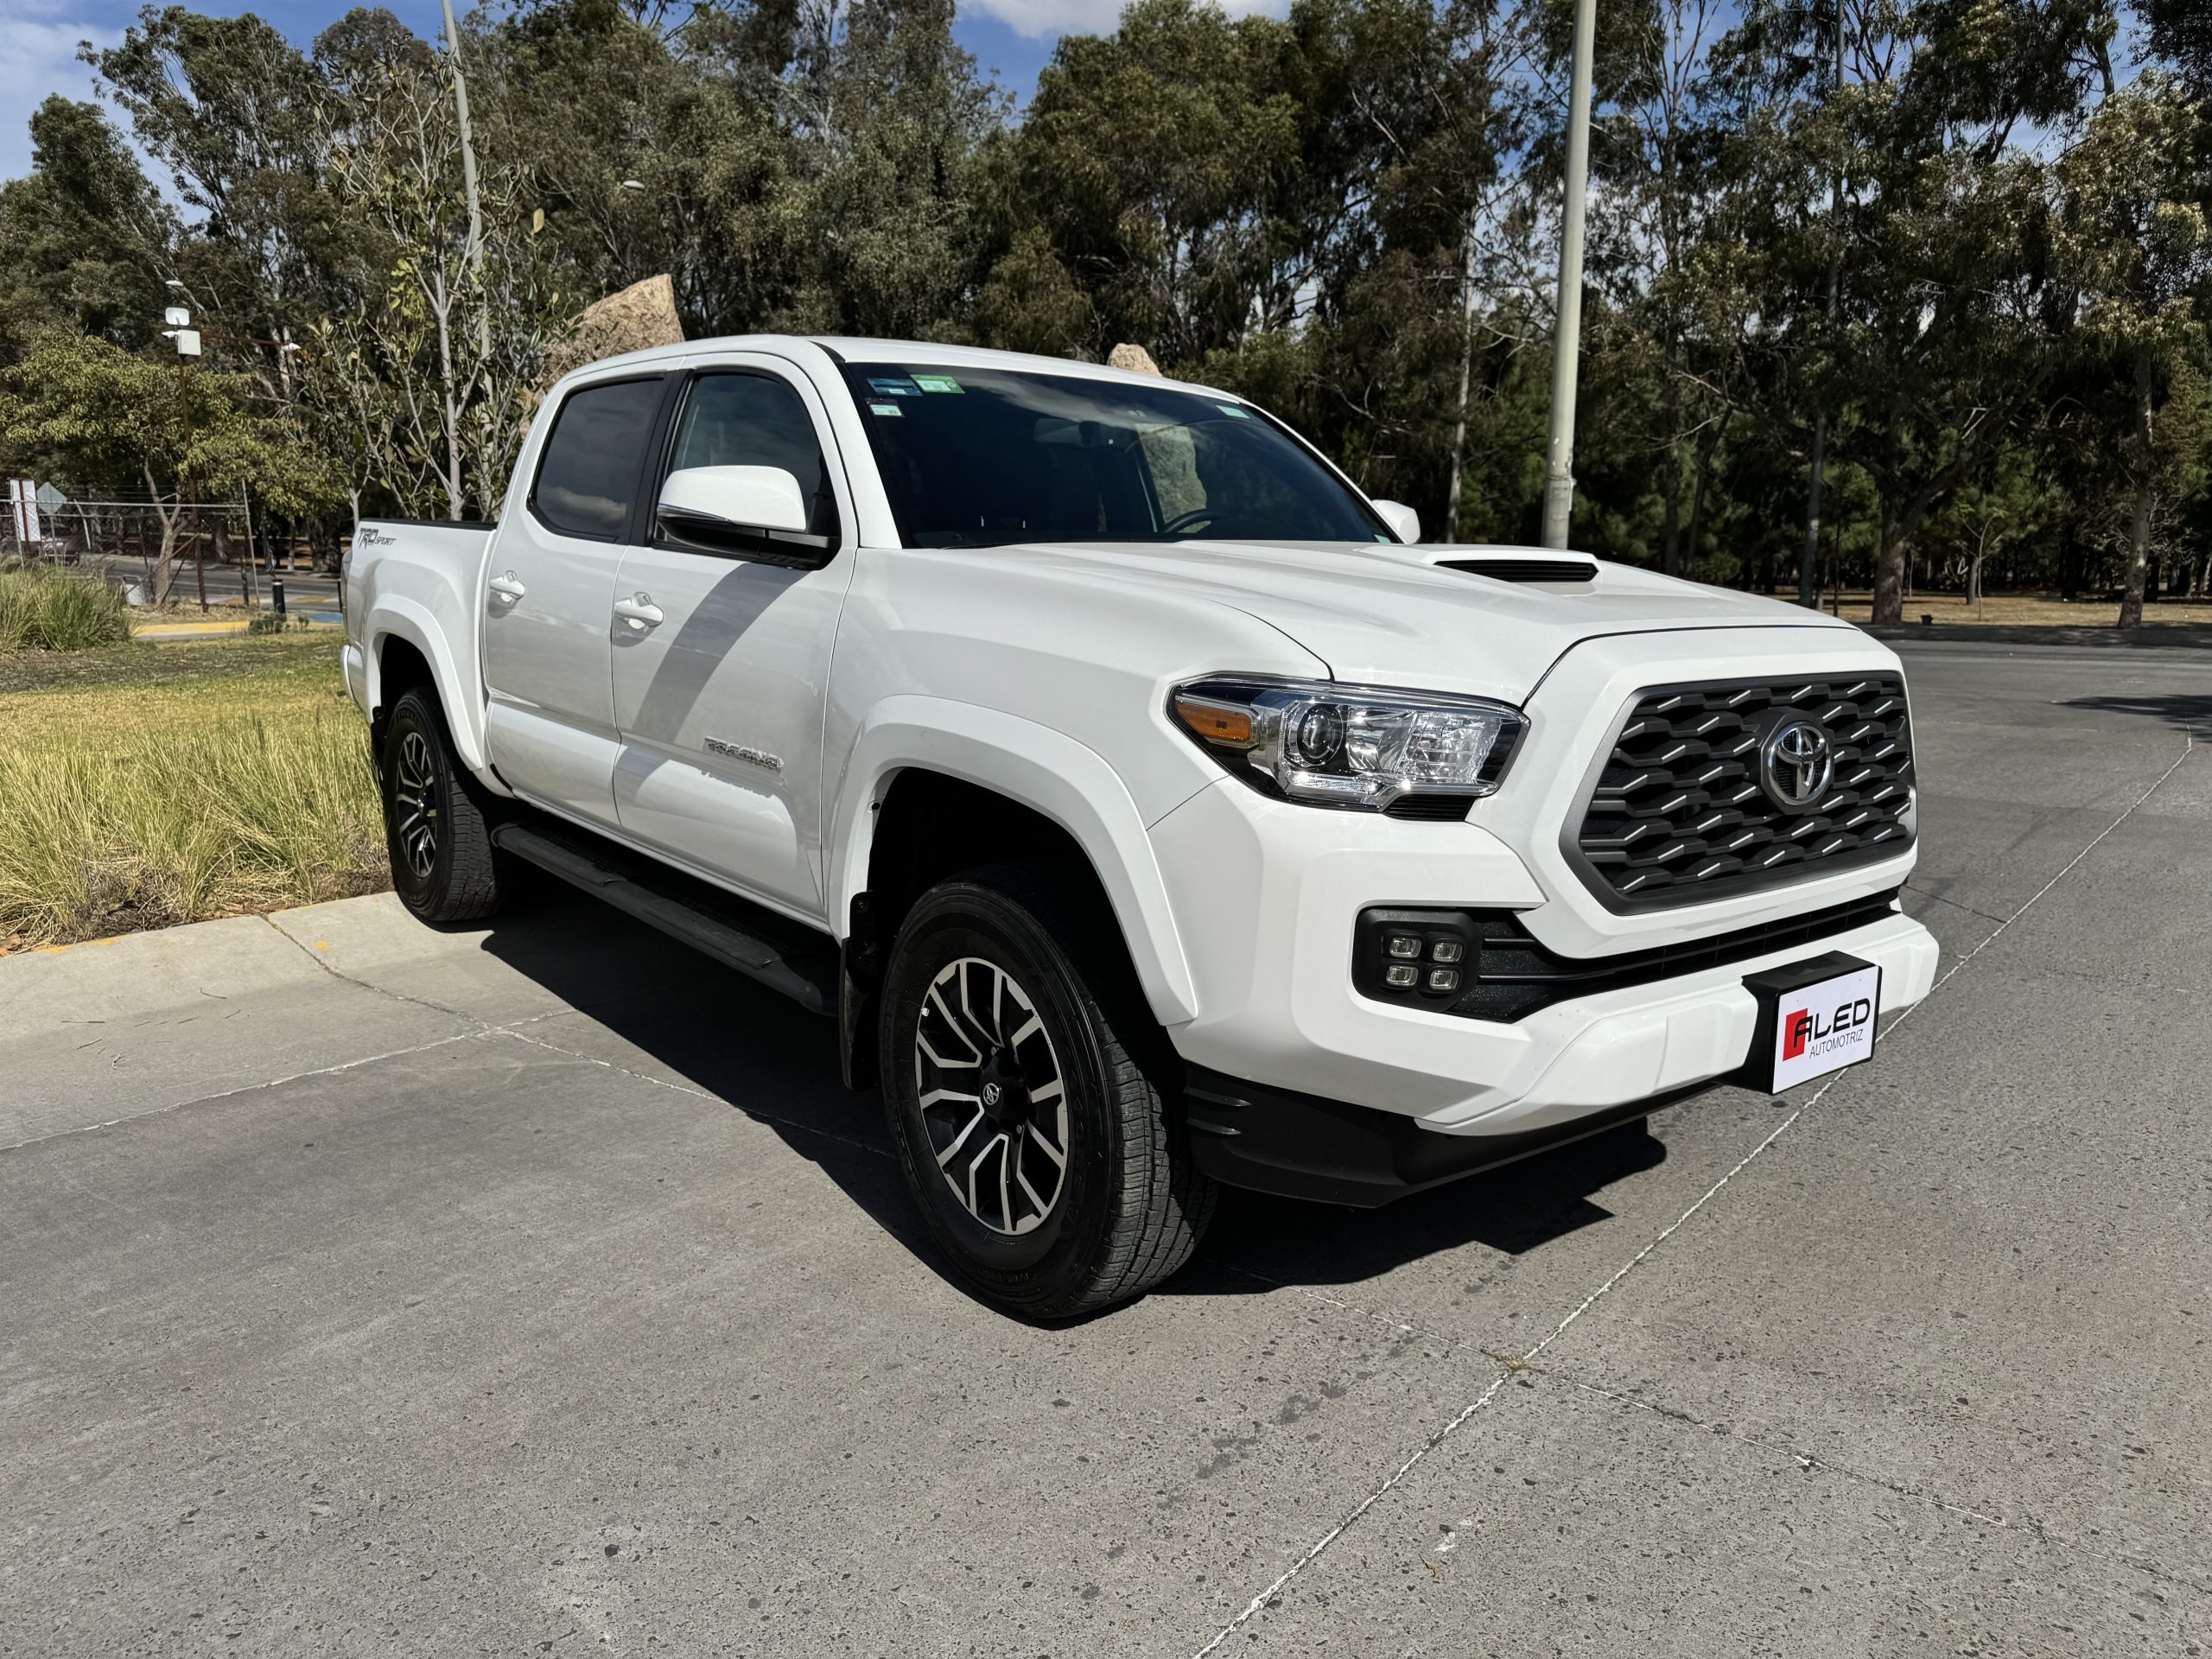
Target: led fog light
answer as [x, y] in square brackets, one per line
[1415, 957]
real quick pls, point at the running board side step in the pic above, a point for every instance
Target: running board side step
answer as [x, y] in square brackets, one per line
[782, 955]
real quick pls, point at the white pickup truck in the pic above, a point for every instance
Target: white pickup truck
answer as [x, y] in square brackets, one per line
[1150, 808]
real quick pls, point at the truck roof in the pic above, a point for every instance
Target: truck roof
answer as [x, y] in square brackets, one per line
[910, 351]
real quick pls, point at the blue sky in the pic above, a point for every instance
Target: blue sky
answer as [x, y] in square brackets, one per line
[38, 43]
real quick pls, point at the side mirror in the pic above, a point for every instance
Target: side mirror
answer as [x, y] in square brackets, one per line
[1404, 522]
[749, 513]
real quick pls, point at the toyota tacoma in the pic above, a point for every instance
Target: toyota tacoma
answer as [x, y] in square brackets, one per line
[1148, 808]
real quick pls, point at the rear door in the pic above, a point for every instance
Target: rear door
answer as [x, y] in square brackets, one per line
[549, 598]
[721, 661]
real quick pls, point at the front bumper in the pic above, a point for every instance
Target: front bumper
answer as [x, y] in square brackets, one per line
[1297, 1146]
[1267, 895]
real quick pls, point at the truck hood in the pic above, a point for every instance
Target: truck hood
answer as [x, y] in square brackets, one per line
[1400, 616]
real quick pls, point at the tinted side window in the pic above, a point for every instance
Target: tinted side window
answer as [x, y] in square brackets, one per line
[753, 420]
[588, 478]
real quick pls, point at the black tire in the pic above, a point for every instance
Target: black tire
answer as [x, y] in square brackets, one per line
[437, 817]
[1130, 1204]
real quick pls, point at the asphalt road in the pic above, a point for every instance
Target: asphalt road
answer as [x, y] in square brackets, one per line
[364, 1290]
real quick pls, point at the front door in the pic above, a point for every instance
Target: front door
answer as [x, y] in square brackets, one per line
[549, 600]
[721, 661]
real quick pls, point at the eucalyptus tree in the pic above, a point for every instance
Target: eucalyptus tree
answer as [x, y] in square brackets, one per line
[232, 113]
[1949, 315]
[1150, 157]
[84, 235]
[2134, 241]
[651, 143]
[1674, 252]
[431, 403]
[889, 116]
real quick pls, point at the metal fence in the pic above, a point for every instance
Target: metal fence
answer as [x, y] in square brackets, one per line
[212, 545]
[75, 530]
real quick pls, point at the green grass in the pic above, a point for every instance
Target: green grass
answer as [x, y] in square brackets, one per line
[57, 610]
[142, 785]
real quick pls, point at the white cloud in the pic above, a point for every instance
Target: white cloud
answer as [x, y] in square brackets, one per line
[41, 56]
[1042, 19]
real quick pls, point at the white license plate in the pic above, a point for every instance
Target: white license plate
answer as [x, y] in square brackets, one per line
[1821, 1021]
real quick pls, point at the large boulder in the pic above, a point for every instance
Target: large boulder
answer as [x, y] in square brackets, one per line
[641, 315]
[1132, 359]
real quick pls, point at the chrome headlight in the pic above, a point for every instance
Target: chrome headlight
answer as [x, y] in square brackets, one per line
[1353, 745]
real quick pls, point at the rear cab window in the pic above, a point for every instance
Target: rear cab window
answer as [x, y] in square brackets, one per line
[591, 471]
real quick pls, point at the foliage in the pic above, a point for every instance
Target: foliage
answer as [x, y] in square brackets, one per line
[79, 405]
[1968, 244]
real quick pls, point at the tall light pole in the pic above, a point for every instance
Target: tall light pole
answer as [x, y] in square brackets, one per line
[468, 149]
[1566, 336]
[179, 320]
[1808, 592]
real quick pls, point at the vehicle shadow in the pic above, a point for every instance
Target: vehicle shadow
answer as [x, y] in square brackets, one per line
[1517, 1209]
[658, 1010]
[2186, 711]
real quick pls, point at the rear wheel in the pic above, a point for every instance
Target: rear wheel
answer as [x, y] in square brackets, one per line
[1045, 1158]
[437, 822]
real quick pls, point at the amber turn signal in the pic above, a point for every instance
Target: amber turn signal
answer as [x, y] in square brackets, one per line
[1215, 722]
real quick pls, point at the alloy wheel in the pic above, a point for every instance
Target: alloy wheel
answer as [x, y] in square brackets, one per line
[415, 805]
[992, 1096]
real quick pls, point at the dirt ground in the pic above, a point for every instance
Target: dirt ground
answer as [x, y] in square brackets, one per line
[2025, 610]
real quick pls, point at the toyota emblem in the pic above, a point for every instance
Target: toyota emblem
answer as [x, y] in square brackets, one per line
[1797, 764]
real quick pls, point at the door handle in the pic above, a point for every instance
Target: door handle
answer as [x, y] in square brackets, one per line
[507, 586]
[639, 612]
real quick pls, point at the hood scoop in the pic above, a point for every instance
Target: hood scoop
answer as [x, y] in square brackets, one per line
[1524, 567]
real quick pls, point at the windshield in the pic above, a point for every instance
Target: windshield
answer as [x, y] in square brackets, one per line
[981, 457]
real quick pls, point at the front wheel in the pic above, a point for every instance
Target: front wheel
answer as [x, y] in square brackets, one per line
[437, 825]
[1047, 1161]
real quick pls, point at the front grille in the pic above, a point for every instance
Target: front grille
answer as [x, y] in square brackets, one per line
[1679, 814]
[1510, 975]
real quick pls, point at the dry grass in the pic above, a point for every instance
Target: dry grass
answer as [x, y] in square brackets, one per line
[177, 783]
[2025, 610]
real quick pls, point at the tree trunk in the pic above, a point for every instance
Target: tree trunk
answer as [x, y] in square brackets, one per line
[1466, 369]
[1702, 459]
[164, 574]
[1889, 568]
[2139, 557]
[2139, 528]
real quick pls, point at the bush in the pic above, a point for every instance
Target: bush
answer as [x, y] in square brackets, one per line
[52, 610]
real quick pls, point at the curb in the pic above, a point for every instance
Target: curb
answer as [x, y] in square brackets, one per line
[157, 632]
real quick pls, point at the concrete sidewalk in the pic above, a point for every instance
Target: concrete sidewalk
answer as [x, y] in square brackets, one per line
[530, 1288]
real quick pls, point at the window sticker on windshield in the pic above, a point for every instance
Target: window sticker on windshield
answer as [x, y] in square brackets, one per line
[891, 387]
[1233, 411]
[937, 382]
[884, 409]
